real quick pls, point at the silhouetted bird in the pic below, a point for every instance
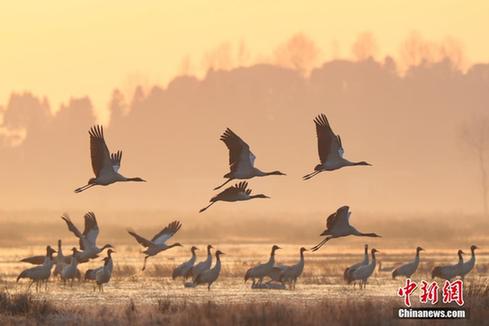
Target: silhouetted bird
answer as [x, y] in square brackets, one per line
[241, 159]
[238, 192]
[338, 225]
[105, 165]
[330, 149]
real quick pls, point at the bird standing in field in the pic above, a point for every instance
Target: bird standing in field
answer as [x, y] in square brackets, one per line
[184, 270]
[338, 225]
[69, 271]
[469, 264]
[210, 276]
[292, 273]
[262, 270]
[362, 273]
[408, 269]
[447, 272]
[103, 275]
[87, 239]
[241, 159]
[203, 265]
[238, 192]
[157, 243]
[104, 164]
[39, 274]
[330, 149]
[355, 266]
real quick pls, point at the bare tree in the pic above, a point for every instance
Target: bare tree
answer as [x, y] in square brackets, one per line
[475, 135]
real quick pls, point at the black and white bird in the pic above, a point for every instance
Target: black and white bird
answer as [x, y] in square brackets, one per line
[292, 273]
[211, 275]
[241, 159]
[362, 273]
[103, 275]
[408, 269]
[87, 239]
[330, 149]
[69, 271]
[104, 164]
[184, 270]
[158, 243]
[238, 192]
[261, 271]
[39, 274]
[338, 225]
[469, 264]
[355, 266]
[203, 265]
[447, 272]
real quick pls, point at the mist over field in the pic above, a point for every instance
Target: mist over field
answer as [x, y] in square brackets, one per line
[408, 127]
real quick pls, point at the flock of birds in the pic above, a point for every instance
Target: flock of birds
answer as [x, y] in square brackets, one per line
[106, 167]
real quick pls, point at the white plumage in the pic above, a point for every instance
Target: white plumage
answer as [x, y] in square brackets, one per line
[41, 273]
[469, 264]
[158, 243]
[292, 273]
[355, 266]
[184, 270]
[203, 265]
[103, 275]
[211, 275]
[69, 271]
[408, 269]
[362, 273]
[262, 270]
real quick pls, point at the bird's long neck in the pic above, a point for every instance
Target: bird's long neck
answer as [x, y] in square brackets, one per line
[123, 178]
[217, 266]
[173, 245]
[260, 173]
[209, 255]
[460, 259]
[272, 257]
[194, 256]
[74, 260]
[60, 250]
[373, 235]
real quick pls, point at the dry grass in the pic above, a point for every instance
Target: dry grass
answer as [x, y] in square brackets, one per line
[24, 309]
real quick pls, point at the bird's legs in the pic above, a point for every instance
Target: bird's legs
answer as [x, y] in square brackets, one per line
[321, 243]
[203, 209]
[144, 265]
[85, 187]
[218, 187]
[310, 175]
[29, 287]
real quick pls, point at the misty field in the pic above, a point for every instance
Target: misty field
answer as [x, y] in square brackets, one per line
[136, 297]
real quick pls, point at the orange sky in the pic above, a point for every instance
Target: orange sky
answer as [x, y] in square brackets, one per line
[61, 49]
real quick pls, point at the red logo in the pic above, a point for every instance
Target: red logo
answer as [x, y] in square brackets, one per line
[451, 291]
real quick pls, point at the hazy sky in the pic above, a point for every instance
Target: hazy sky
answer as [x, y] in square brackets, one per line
[60, 49]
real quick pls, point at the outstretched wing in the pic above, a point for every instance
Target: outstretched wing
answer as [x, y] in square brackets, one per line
[116, 160]
[144, 242]
[165, 234]
[340, 219]
[236, 190]
[91, 229]
[240, 156]
[328, 142]
[34, 260]
[98, 149]
[72, 228]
